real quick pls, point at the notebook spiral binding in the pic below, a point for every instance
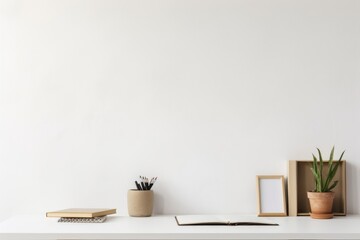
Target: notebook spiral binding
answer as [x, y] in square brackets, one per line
[82, 220]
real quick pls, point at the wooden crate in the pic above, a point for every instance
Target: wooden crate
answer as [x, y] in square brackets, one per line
[301, 180]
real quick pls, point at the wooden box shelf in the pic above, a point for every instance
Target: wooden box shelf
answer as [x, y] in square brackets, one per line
[301, 180]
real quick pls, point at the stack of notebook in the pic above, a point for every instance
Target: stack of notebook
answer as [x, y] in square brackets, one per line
[82, 215]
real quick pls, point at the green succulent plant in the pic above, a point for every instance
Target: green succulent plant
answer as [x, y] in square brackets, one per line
[324, 180]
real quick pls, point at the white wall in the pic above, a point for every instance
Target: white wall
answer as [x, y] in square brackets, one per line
[203, 94]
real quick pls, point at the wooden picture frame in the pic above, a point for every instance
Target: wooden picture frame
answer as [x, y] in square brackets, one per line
[271, 195]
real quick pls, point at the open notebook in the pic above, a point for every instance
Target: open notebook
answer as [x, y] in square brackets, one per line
[234, 220]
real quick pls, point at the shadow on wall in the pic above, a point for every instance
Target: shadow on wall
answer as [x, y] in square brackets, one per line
[158, 204]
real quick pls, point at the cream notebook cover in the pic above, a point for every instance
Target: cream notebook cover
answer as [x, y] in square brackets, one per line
[82, 212]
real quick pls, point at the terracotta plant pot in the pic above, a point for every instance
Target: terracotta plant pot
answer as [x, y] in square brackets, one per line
[321, 204]
[140, 203]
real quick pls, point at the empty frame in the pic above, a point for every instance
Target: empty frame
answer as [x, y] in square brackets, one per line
[271, 195]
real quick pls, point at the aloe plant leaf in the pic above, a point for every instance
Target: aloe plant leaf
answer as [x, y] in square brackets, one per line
[331, 156]
[330, 177]
[332, 186]
[315, 172]
[327, 182]
[342, 154]
[315, 163]
[320, 168]
[318, 187]
[330, 169]
[331, 174]
[331, 166]
[332, 153]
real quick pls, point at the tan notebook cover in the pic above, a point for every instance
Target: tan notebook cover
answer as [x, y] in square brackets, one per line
[82, 212]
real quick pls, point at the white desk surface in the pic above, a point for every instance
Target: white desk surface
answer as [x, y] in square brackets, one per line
[165, 227]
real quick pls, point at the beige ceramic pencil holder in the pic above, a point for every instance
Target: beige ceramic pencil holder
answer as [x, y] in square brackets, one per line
[140, 203]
